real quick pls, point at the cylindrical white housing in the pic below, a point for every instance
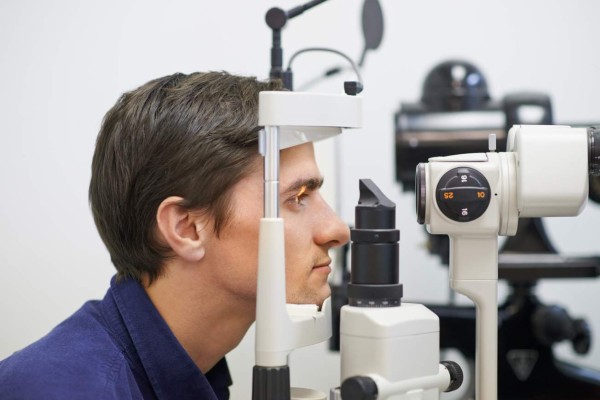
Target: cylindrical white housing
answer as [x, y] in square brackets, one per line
[552, 169]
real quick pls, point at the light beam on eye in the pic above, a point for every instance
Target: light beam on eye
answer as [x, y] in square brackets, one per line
[300, 193]
[302, 190]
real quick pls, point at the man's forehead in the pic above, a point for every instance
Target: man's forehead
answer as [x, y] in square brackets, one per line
[298, 167]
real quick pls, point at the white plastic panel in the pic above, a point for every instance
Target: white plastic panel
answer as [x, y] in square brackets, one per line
[297, 109]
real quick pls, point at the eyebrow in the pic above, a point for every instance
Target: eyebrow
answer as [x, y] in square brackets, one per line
[309, 183]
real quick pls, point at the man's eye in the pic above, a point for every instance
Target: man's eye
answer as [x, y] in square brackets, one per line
[299, 197]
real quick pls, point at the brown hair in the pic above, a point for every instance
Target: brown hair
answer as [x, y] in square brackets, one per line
[193, 136]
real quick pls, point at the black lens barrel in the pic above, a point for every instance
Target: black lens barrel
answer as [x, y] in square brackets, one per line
[374, 278]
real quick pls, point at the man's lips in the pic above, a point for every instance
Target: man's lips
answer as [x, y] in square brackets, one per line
[324, 264]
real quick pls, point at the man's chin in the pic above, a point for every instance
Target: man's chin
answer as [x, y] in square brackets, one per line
[325, 294]
[317, 297]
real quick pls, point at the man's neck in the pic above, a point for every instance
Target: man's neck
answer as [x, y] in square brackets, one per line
[208, 323]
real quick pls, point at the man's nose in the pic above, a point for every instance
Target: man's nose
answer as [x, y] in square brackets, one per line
[331, 230]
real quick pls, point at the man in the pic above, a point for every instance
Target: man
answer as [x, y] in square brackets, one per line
[176, 194]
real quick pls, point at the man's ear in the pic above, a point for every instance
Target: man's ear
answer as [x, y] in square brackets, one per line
[182, 230]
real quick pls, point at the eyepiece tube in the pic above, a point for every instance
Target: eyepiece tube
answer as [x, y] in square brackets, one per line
[374, 278]
[594, 151]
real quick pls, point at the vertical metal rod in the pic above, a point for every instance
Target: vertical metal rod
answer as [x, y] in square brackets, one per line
[271, 171]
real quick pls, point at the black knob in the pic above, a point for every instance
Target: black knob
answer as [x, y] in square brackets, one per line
[359, 388]
[456, 375]
[551, 324]
[353, 88]
[463, 194]
[276, 18]
[582, 338]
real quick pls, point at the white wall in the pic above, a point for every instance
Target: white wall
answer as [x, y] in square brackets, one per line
[64, 63]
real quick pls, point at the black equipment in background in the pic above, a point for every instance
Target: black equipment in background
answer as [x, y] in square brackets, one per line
[456, 114]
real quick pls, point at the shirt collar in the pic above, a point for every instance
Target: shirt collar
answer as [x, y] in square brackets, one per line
[170, 370]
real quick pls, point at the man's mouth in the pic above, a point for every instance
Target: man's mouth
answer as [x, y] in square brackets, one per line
[325, 265]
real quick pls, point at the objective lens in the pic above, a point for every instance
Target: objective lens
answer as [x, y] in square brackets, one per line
[594, 151]
[420, 188]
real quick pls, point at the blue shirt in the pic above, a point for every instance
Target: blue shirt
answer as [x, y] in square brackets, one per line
[116, 348]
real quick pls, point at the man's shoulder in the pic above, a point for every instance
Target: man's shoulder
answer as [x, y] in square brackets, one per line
[77, 359]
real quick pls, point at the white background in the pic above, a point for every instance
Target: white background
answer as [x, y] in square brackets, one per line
[63, 64]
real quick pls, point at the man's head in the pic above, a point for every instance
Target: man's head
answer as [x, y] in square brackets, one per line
[177, 188]
[192, 136]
